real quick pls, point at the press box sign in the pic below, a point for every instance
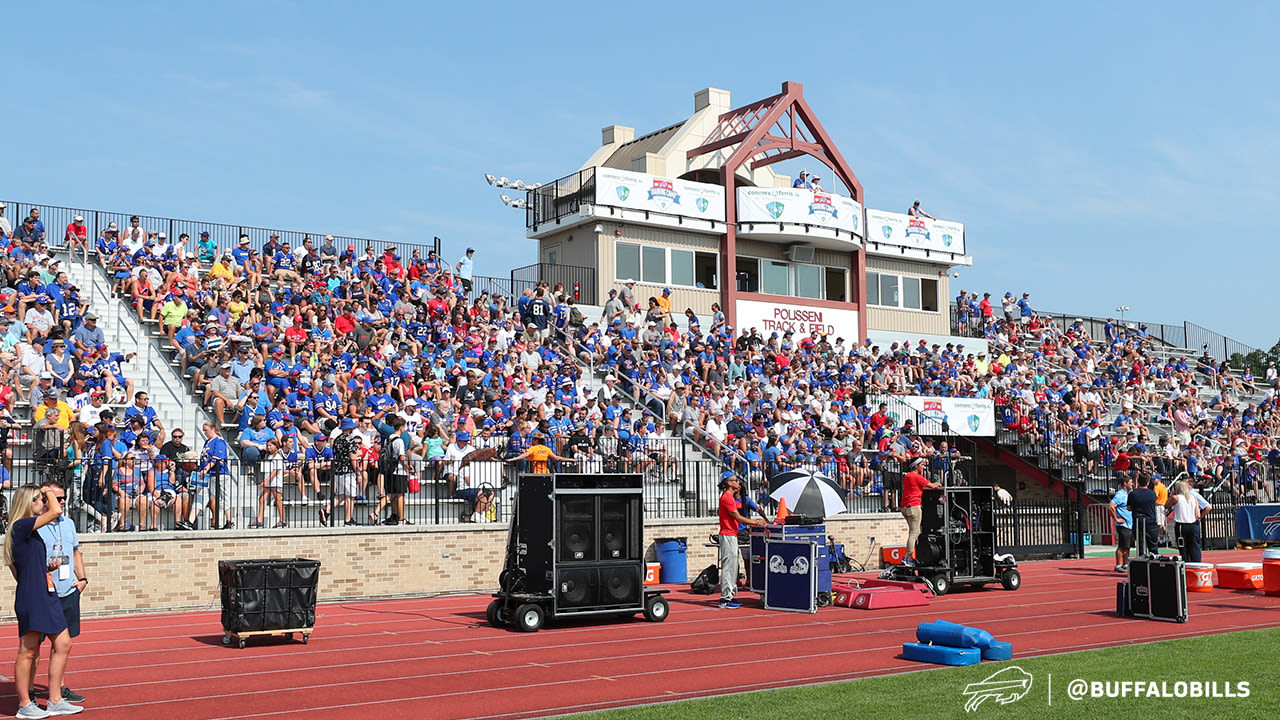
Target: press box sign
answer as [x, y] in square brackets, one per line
[780, 317]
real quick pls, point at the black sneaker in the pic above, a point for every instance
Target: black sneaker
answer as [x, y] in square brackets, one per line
[228, 525]
[67, 694]
[349, 523]
[72, 695]
[324, 517]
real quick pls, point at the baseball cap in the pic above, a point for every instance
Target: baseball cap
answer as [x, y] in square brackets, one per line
[318, 437]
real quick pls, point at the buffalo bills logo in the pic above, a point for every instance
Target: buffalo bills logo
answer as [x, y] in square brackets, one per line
[664, 193]
[1004, 686]
[1271, 524]
[623, 192]
[775, 209]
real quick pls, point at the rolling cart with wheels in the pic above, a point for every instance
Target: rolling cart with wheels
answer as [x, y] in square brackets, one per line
[957, 545]
[529, 612]
[268, 598]
[240, 638]
[575, 549]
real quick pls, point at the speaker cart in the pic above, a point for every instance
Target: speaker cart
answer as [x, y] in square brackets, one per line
[275, 598]
[957, 544]
[575, 548]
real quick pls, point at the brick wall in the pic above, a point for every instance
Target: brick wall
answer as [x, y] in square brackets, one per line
[171, 571]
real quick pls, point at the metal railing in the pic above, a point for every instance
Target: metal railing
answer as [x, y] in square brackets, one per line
[1186, 335]
[561, 198]
[579, 282]
[56, 218]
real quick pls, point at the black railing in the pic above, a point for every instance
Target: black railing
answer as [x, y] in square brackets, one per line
[1186, 335]
[1218, 528]
[1041, 527]
[579, 282]
[56, 219]
[561, 198]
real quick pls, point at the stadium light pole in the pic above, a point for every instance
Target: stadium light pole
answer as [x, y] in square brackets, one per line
[502, 181]
[1122, 310]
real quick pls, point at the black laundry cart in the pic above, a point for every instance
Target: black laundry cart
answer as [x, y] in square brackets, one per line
[268, 597]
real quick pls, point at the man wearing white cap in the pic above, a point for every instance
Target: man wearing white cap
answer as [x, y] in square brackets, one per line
[77, 233]
[6, 229]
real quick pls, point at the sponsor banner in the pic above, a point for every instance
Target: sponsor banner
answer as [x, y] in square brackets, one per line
[888, 228]
[801, 207]
[974, 417]
[779, 317]
[638, 191]
[1259, 523]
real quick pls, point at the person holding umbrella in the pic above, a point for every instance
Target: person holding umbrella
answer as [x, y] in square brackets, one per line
[913, 486]
[729, 554]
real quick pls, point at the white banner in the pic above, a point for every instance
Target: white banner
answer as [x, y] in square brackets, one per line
[621, 188]
[800, 319]
[801, 207]
[888, 228]
[973, 417]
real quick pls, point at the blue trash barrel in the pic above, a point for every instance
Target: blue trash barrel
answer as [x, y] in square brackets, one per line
[671, 553]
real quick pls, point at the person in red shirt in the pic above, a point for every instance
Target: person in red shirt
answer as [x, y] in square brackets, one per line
[913, 486]
[345, 324]
[729, 520]
[77, 233]
[879, 418]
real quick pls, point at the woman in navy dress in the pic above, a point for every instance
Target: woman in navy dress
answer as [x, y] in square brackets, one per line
[35, 604]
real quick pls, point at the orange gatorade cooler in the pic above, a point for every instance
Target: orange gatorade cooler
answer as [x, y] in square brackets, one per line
[893, 555]
[1240, 576]
[651, 573]
[1271, 571]
[1199, 577]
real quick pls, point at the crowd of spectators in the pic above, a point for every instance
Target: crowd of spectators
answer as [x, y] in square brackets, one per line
[284, 343]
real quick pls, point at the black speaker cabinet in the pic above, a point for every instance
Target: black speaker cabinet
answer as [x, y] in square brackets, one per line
[598, 586]
[579, 538]
[532, 528]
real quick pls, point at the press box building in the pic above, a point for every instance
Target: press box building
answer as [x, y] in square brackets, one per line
[699, 208]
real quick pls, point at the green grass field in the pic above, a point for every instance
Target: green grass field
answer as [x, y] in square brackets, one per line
[1228, 658]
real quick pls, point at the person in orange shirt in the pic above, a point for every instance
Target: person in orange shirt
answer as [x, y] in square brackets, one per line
[539, 454]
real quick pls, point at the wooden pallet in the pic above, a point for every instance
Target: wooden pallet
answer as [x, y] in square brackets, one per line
[241, 638]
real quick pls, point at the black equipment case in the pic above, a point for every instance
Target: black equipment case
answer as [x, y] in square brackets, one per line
[1158, 588]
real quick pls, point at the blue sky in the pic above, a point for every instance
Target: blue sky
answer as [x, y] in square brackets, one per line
[1101, 154]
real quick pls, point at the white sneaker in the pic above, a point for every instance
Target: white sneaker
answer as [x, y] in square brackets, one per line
[32, 710]
[62, 707]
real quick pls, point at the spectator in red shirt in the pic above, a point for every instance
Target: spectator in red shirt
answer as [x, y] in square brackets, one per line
[913, 486]
[878, 420]
[77, 233]
[988, 313]
[729, 520]
[345, 324]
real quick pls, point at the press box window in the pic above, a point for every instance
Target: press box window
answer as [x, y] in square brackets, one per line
[653, 267]
[626, 261]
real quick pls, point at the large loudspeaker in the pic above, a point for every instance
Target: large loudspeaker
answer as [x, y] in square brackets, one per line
[580, 539]
[598, 586]
[532, 559]
[577, 516]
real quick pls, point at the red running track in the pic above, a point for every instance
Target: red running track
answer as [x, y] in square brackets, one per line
[436, 658]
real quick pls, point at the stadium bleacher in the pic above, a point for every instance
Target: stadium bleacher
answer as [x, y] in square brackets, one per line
[278, 340]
